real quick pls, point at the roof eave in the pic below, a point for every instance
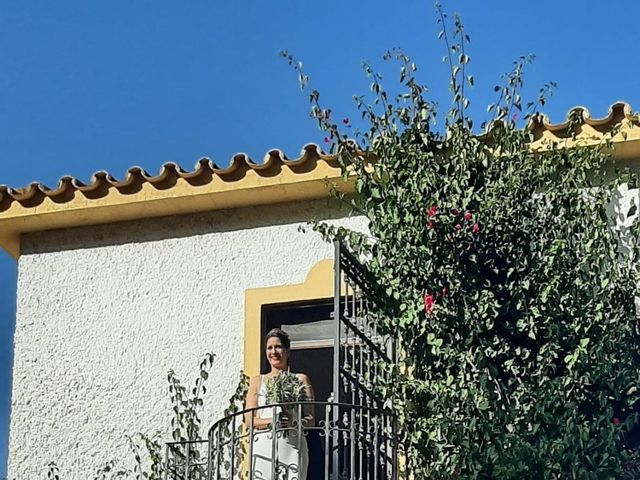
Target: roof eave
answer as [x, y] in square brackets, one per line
[182, 198]
[245, 183]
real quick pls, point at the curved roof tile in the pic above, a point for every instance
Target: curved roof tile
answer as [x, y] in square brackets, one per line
[273, 161]
[617, 112]
[203, 172]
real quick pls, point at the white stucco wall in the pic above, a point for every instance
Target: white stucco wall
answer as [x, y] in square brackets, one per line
[104, 312]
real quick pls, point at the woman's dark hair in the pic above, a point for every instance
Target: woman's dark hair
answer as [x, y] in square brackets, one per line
[280, 334]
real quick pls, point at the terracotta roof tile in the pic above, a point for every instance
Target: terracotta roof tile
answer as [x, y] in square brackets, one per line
[175, 191]
[274, 160]
[618, 111]
[202, 173]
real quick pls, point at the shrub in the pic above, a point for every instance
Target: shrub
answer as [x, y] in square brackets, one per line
[502, 276]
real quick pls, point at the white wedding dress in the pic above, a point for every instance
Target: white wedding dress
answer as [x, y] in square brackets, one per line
[289, 448]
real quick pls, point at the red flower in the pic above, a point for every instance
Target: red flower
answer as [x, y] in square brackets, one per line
[475, 228]
[467, 216]
[326, 140]
[615, 421]
[457, 226]
[428, 303]
[432, 211]
[429, 224]
[345, 120]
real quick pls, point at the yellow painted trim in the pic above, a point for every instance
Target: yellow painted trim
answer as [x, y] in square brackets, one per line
[11, 244]
[625, 143]
[182, 198]
[317, 285]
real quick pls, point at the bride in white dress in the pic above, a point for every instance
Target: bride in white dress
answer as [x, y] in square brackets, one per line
[291, 456]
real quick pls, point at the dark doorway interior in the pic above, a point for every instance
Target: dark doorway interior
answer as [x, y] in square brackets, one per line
[310, 327]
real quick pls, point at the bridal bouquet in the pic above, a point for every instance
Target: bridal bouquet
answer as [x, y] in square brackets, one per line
[285, 388]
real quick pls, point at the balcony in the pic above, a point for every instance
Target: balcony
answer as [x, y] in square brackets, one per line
[341, 442]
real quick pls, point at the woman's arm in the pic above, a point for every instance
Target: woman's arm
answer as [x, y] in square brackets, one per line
[308, 419]
[251, 401]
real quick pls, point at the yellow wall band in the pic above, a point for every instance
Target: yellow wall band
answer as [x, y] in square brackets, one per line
[318, 285]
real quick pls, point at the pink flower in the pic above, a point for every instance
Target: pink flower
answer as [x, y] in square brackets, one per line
[445, 290]
[345, 120]
[429, 224]
[457, 226]
[467, 216]
[432, 211]
[428, 303]
[615, 421]
[475, 228]
[326, 140]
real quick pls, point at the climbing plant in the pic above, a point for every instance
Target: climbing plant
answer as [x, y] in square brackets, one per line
[501, 274]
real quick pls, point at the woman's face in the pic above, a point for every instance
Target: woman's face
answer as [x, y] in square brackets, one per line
[277, 355]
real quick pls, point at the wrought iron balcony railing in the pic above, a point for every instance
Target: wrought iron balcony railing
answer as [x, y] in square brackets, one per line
[328, 441]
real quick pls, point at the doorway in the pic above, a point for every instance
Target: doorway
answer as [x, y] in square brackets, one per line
[310, 327]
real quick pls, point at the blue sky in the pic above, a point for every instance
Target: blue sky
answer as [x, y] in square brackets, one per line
[86, 86]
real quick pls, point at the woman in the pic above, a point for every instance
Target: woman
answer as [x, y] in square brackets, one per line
[291, 453]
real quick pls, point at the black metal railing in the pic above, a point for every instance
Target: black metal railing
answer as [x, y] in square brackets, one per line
[186, 460]
[308, 440]
[364, 358]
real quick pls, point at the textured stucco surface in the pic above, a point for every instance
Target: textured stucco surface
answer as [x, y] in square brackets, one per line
[104, 312]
